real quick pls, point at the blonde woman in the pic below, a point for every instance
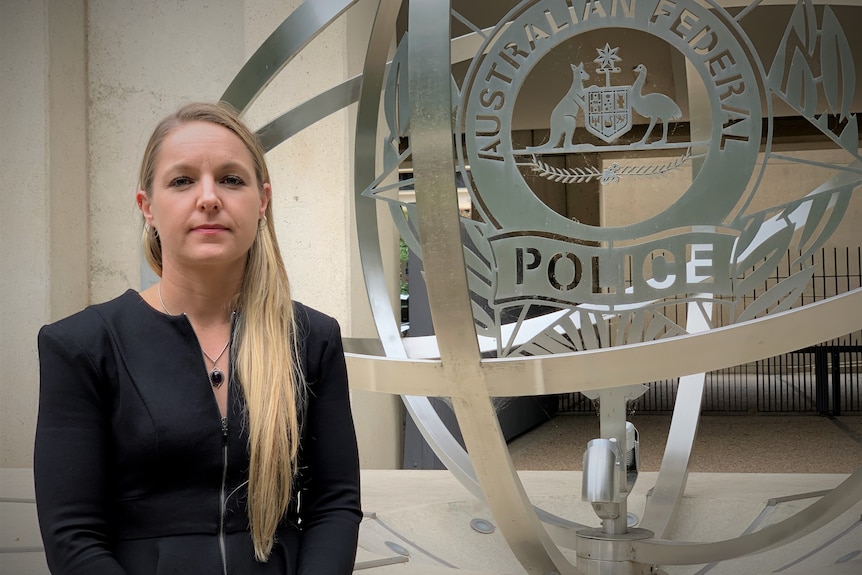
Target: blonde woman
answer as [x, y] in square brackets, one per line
[201, 425]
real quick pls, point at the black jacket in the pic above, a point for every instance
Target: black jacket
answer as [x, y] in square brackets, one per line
[130, 452]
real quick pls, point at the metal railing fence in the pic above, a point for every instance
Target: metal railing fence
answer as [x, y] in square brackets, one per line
[825, 379]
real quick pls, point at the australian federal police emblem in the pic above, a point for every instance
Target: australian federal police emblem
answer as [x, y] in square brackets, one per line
[619, 181]
[683, 143]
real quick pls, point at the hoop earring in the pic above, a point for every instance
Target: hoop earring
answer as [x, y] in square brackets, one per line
[151, 230]
[261, 223]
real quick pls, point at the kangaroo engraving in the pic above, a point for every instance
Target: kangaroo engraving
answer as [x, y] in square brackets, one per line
[565, 114]
[652, 106]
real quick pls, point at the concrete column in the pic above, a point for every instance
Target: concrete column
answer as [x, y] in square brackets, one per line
[43, 197]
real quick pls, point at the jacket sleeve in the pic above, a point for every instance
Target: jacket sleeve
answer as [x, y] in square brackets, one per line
[70, 461]
[329, 506]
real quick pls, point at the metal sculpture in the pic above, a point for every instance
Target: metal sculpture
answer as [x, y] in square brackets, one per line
[559, 304]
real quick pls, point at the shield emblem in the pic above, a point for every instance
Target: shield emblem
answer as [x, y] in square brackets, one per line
[609, 114]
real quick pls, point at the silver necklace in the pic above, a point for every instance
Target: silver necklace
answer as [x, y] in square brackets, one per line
[215, 374]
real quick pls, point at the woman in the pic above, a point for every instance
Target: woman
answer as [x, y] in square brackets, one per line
[203, 425]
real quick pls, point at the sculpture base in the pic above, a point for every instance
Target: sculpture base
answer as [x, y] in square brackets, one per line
[600, 553]
[429, 513]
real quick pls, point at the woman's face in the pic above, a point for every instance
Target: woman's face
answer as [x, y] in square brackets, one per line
[206, 201]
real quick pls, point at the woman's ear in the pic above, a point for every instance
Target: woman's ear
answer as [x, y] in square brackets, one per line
[266, 197]
[144, 205]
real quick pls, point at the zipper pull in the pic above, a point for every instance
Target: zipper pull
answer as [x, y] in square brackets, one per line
[224, 430]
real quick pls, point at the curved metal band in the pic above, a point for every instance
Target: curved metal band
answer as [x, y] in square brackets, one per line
[629, 364]
[322, 105]
[432, 428]
[286, 41]
[662, 505]
[304, 115]
[365, 158]
[446, 279]
[833, 504]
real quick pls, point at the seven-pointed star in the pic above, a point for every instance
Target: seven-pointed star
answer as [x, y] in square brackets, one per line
[607, 56]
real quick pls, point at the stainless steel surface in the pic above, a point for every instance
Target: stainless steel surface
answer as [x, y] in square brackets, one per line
[447, 449]
[663, 504]
[304, 115]
[603, 554]
[600, 545]
[315, 109]
[613, 405]
[818, 514]
[630, 364]
[600, 482]
[291, 36]
[365, 146]
[443, 259]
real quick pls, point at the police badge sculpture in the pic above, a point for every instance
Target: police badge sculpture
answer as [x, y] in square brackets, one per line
[526, 300]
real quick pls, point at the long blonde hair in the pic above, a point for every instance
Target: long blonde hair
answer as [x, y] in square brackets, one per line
[264, 342]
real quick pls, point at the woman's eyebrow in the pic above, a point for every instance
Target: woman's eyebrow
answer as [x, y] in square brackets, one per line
[238, 166]
[229, 165]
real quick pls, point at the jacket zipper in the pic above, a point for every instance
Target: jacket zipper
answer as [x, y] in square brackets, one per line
[222, 498]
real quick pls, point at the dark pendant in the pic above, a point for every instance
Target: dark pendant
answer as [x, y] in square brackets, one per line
[216, 377]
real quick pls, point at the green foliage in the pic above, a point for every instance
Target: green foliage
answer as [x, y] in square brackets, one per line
[403, 248]
[402, 257]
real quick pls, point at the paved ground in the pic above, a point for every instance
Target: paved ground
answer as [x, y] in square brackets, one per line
[419, 522]
[725, 443]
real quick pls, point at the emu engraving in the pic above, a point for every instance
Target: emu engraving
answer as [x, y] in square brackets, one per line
[652, 106]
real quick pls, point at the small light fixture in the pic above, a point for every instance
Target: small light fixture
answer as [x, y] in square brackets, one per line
[399, 549]
[482, 526]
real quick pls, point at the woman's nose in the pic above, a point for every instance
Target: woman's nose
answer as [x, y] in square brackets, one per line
[209, 198]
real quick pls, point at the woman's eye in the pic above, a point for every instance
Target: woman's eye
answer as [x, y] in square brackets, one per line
[180, 181]
[233, 181]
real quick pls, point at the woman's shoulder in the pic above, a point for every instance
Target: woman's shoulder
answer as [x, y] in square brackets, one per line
[319, 338]
[94, 321]
[312, 323]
